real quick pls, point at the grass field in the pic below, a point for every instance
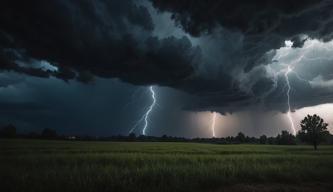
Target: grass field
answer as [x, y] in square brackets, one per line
[34, 165]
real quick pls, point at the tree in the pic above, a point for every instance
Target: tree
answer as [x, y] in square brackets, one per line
[286, 138]
[271, 140]
[314, 130]
[240, 137]
[132, 136]
[263, 139]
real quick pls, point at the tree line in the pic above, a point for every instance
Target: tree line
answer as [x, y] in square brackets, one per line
[314, 131]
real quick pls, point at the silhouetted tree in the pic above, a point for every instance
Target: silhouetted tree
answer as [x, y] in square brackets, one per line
[132, 135]
[314, 130]
[263, 139]
[8, 131]
[330, 139]
[240, 137]
[271, 140]
[49, 133]
[230, 139]
[286, 138]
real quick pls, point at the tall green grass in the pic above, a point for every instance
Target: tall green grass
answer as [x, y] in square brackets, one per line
[33, 165]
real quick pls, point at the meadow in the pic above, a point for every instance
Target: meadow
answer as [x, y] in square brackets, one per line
[41, 165]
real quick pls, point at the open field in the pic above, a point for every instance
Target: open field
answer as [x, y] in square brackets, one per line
[34, 165]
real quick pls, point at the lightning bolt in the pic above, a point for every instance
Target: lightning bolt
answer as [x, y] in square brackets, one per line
[289, 69]
[145, 116]
[213, 124]
[149, 110]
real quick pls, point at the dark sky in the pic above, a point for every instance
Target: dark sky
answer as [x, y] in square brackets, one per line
[85, 67]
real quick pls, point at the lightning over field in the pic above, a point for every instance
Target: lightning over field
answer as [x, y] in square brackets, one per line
[273, 59]
[291, 61]
[166, 95]
[151, 107]
[289, 69]
[145, 116]
[213, 124]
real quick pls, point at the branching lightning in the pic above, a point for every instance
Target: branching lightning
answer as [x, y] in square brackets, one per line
[289, 69]
[145, 116]
[213, 124]
[149, 110]
[284, 53]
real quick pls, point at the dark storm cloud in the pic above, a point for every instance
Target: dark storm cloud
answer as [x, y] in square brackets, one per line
[253, 17]
[23, 106]
[106, 38]
[260, 26]
[264, 24]
[221, 53]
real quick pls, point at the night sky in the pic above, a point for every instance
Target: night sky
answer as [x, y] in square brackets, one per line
[85, 67]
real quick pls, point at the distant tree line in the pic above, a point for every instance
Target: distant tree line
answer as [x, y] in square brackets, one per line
[314, 131]
[284, 138]
[9, 131]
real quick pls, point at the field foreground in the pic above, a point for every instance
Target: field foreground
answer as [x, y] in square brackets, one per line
[34, 165]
